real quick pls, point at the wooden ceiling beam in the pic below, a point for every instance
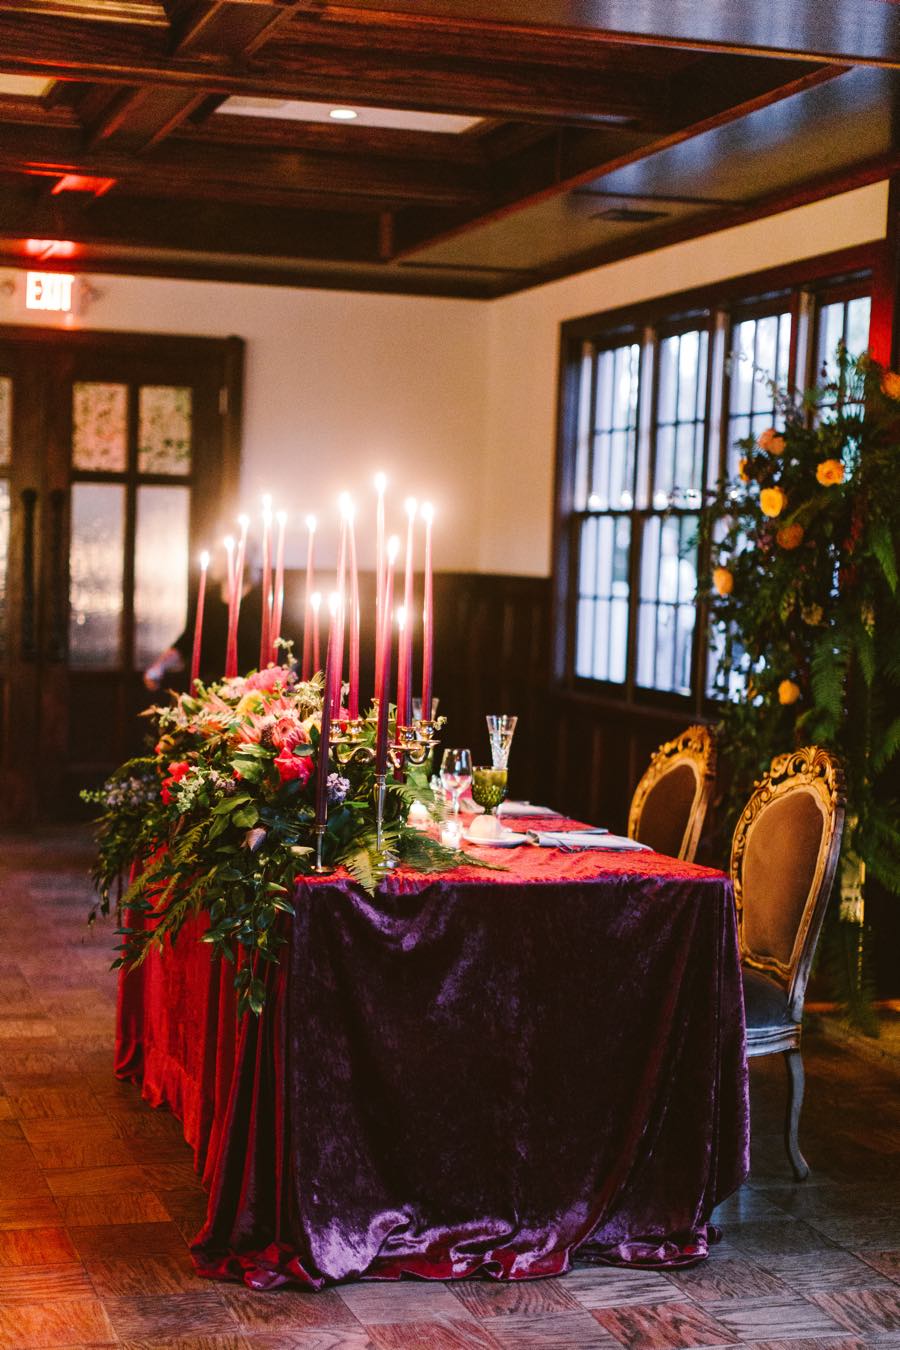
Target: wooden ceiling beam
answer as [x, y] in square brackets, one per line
[191, 167]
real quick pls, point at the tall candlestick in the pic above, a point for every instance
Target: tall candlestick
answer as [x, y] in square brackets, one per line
[231, 662]
[311, 620]
[380, 485]
[384, 701]
[404, 641]
[315, 604]
[198, 621]
[325, 725]
[353, 696]
[427, 616]
[265, 640]
[278, 596]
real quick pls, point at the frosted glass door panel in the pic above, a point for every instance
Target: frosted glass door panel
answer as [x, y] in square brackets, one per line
[160, 570]
[95, 575]
[6, 403]
[164, 429]
[4, 557]
[100, 427]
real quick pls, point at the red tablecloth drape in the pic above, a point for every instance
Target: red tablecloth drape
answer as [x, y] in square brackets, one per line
[473, 1071]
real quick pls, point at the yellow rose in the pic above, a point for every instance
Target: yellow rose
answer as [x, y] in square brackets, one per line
[770, 441]
[788, 692]
[251, 702]
[743, 475]
[723, 581]
[772, 501]
[890, 384]
[830, 471]
[790, 536]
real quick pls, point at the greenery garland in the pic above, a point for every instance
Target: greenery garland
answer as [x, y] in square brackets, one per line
[219, 818]
[805, 605]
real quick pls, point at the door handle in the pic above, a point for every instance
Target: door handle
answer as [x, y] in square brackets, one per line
[29, 588]
[58, 638]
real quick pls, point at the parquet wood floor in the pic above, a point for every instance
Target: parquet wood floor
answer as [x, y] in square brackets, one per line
[97, 1192]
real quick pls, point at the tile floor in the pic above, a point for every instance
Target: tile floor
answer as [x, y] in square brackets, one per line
[98, 1198]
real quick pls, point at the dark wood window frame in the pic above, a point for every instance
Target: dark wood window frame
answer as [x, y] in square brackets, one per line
[804, 288]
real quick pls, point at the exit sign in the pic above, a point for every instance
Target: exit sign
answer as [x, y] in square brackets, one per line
[49, 290]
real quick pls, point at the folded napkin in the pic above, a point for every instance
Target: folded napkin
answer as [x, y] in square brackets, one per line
[525, 809]
[585, 839]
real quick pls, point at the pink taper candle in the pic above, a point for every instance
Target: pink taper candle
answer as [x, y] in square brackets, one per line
[198, 621]
[265, 636]
[380, 485]
[311, 620]
[229, 554]
[381, 730]
[278, 594]
[325, 725]
[353, 696]
[232, 656]
[315, 604]
[427, 615]
[404, 642]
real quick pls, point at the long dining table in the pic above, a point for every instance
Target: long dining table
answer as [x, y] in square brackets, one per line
[482, 1071]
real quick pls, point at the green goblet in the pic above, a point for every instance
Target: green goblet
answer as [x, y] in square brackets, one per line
[488, 787]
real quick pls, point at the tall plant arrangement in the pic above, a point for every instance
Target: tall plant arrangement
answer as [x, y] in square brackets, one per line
[805, 605]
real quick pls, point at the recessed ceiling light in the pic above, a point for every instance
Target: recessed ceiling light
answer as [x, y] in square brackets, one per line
[343, 114]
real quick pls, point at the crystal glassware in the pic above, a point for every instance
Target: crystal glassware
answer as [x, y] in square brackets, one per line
[488, 787]
[501, 728]
[417, 709]
[456, 775]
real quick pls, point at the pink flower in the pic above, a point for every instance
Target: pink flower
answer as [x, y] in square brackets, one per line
[270, 678]
[288, 732]
[294, 768]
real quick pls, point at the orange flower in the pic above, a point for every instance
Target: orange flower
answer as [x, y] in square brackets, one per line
[830, 472]
[771, 441]
[772, 501]
[890, 384]
[788, 692]
[723, 581]
[743, 475]
[790, 536]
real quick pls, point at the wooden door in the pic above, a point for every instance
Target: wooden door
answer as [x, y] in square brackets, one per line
[121, 461]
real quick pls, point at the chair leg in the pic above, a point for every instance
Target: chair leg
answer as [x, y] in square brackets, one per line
[793, 1060]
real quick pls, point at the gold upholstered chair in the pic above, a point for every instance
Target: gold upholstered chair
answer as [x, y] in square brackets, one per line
[670, 802]
[783, 860]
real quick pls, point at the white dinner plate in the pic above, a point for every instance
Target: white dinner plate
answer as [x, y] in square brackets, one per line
[509, 839]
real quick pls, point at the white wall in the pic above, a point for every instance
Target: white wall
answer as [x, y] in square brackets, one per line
[454, 399]
[337, 386]
[523, 352]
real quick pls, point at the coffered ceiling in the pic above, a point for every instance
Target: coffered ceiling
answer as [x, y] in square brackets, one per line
[494, 145]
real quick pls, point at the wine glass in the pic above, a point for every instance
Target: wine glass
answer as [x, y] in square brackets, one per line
[501, 728]
[488, 787]
[456, 775]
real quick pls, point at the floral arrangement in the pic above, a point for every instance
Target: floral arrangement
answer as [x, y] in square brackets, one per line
[219, 817]
[805, 600]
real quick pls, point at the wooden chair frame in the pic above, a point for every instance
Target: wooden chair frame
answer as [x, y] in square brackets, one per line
[696, 746]
[810, 769]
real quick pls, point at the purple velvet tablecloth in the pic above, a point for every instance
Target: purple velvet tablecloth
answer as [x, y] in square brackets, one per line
[480, 1071]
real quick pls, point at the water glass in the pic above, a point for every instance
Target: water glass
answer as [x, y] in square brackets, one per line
[501, 728]
[456, 775]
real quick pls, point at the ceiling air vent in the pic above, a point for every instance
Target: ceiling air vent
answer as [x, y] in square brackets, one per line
[629, 215]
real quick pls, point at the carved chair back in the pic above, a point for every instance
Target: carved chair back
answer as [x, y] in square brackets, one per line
[783, 859]
[670, 802]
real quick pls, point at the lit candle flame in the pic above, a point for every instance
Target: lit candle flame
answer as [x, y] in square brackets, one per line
[380, 483]
[334, 603]
[316, 601]
[401, 617]
[393, 548]
[427, 512]
[228, 541]
[281, 517]
[411, 506]
[311, 524]
[345, 503]
[244, 522]
[204, 559]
